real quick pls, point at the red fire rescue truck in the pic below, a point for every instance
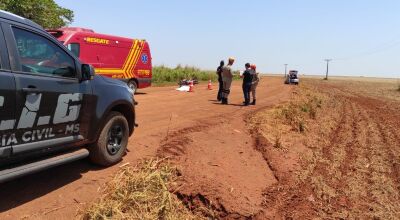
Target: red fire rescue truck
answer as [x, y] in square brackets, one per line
[117, 57]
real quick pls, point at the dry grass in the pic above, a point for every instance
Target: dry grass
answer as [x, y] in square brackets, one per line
[141, 192]
[348, 163]
[300, 109]
[290, 119]
[377, 88]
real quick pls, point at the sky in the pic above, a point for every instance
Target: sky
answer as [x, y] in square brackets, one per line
[361, 36]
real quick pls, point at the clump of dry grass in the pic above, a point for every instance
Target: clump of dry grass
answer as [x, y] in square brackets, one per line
[300, 109]
[291, 113]
[141, 192]
[277, 134]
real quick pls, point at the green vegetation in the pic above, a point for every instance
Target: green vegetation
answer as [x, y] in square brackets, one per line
[141, 192]
[44, 12]
[165, 75]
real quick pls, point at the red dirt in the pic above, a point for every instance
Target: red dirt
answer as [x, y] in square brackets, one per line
[349, 165]
[208, 141]
[346, 165]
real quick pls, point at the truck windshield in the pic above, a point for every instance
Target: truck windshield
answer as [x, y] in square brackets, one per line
[74, 48]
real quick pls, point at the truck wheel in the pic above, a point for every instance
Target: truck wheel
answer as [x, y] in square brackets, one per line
[133, 85]
[111, 144]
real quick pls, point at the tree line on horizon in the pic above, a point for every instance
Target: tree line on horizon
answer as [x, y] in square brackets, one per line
[46, 13]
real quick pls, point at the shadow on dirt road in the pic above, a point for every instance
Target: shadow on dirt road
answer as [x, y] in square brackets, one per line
[140, 93]
[20, 191]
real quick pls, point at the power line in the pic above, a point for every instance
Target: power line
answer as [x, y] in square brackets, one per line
[374, 50]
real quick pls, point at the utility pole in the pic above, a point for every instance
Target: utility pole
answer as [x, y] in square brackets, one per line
[285, 69]
[327, 67]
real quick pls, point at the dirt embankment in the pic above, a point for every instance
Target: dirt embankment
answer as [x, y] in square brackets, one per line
[221, 170]
[223, 174]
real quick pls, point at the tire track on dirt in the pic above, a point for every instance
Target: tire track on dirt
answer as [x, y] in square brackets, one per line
[371, 173]
[367, 145]
[390, 156]
[353, 171]
[348, 166]
[335, 135]
[379, 190]
[385, 134]
[195, 190]
[355, 195]
[176, 142]
[330, 179]
[353, 138]
[383, 117]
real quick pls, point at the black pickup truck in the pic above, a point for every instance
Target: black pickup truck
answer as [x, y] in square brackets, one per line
[53, 109]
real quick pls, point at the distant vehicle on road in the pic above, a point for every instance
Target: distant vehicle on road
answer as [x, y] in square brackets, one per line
[53, 108]
[292, 77]
[117, 57]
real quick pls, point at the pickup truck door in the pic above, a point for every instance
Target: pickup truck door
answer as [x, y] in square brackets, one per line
[7, 101]
[50, 99]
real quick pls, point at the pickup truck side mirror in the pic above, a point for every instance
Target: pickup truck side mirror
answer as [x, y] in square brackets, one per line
[87, 72]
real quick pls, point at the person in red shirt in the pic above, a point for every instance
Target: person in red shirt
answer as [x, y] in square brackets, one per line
[254, 83]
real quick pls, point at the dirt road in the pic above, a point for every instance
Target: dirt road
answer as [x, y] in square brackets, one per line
[208, 141]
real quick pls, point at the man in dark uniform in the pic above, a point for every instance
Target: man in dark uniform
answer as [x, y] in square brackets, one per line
[247, 80]
[221, 85]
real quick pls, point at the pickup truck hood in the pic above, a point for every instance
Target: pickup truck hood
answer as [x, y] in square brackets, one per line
[111, 80]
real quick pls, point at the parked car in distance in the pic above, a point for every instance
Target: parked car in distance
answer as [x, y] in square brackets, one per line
[292, 77]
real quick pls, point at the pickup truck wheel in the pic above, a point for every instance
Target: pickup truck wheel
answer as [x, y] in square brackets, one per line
[112, 142]
[133, 85]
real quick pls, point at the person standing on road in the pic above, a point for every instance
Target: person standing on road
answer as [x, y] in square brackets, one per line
[227, 77]
[219, 73]
[254, 83]
[246, 86]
